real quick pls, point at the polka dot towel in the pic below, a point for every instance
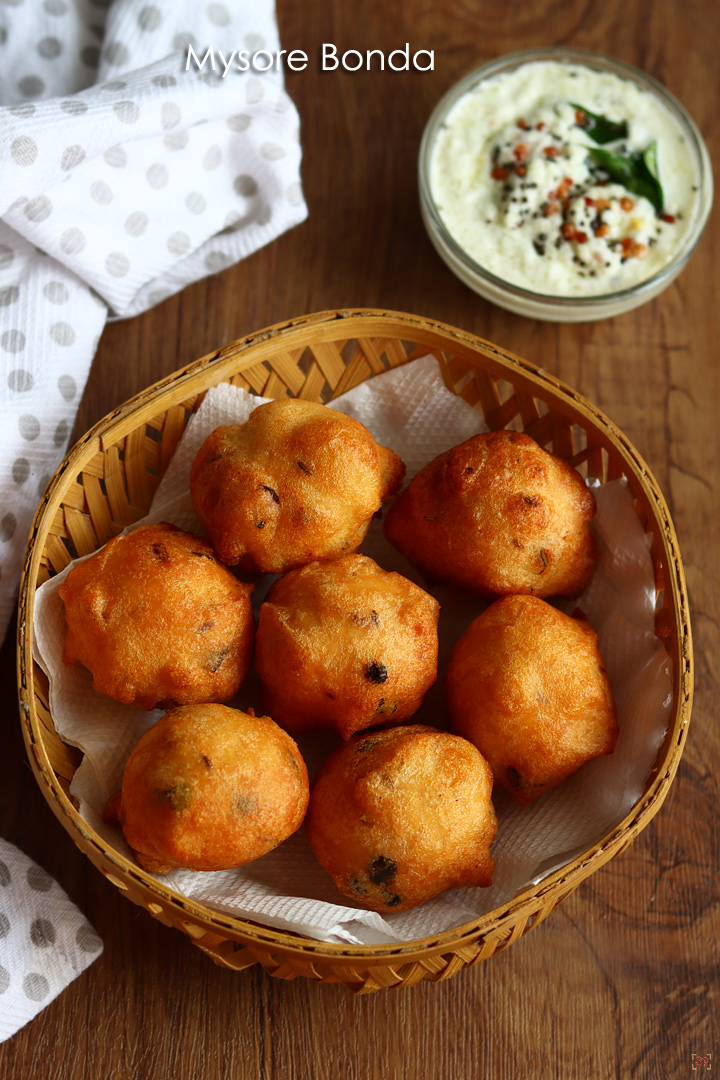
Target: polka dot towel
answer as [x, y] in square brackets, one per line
[125, 177]
[45, 941]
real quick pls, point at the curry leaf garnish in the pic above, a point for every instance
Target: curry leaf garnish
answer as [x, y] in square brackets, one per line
[636, 171]
[599, 128]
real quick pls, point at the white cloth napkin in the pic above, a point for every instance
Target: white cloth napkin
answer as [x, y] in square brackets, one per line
[124, 178]
[45, 941]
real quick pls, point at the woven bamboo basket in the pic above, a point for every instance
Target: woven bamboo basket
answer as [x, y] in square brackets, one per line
[107, 482]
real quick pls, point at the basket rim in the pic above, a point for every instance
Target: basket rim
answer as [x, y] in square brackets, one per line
[350, 323]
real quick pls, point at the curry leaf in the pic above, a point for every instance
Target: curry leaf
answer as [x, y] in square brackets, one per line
[637, 172]
[599, 128]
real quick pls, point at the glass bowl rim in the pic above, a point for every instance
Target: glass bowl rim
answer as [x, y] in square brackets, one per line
[599, 62]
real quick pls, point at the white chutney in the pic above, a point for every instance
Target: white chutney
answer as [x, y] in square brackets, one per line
[515, 183]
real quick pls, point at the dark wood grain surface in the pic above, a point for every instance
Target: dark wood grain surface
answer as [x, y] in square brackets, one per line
[622, 979]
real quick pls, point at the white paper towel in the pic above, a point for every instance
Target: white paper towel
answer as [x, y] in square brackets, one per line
[410, 410]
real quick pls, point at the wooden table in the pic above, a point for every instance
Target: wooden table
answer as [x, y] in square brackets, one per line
[622, 979]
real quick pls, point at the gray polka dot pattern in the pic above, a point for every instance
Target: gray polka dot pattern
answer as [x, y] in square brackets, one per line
[62, 431]
[127, 112]
[195, 202]
[212, 159]
[294, 195]
[216, 261]
[72, 157]
[117, 264]
[38, 879]
[8, 525]
[149, 18]
[218, 14]
[116, 53]
[19, 380]
[20, 470]
[12, 341]
[88, 940]
[35, 986]
[6, 256]
[272, 151]
[157, 176]
[253, 91]
[182, 40]
[116, 157]
[178, 243]
[263, 214]
[178, 140]
[74, 107]
[157, 296]
[23, 110]
[136, 223]
[245, 185]
[62, 333]
[240, 122]
[42, 933]
[170, 114]
[38, 209]
[56, 292]
[72, 241]
[67, 387]
[29, 427]
[90, 56]
[45, 941]
[101, 193]
[24, 150]
[9, 295]
[49, 48]
[31, 86]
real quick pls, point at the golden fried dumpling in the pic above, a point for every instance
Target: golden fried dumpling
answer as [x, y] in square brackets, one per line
[399, 816]
[156, 618]
[345, 645]
[526, 684]
[296, 482]
[209, 788]
[498, 515]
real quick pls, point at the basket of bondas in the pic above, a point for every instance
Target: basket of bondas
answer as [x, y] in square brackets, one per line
[399, 811]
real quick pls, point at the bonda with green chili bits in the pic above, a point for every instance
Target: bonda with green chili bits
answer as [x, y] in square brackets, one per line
[158, 620]
[399, 816]
[210, 788]
[345, 645]
[296, 482]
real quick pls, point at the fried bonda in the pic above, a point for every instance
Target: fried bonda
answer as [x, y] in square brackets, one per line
[209, 788]
[345, 645]
[498, 515]
[296, 482]
[157, 619]
[399, 816]
[526, 684]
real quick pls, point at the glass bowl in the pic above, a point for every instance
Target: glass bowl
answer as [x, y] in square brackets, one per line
[539, 305]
